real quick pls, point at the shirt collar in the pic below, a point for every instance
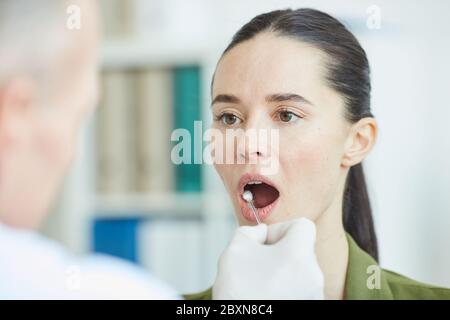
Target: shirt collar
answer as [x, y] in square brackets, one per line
[362, 270]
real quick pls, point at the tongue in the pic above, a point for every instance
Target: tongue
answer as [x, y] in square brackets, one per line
[263, 194]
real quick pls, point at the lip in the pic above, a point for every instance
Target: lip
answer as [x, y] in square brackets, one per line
[263, 213]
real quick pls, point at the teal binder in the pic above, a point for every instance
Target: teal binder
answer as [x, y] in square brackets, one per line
[187, 109]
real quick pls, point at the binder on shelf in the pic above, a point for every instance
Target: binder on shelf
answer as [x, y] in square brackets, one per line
[116, 237]
[187, 109]
[154, 122]
[117, 19]
[116, 134]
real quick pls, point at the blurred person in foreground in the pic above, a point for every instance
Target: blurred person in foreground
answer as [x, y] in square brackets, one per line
[48, 86]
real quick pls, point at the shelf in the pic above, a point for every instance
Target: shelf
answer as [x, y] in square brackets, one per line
[158, 205]
[131, 53]
[165, 204]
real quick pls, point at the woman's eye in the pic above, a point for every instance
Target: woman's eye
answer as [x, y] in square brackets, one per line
[287, 116]
[229, 119]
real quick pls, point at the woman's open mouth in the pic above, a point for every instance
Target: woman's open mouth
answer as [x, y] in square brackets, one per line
[265, 195]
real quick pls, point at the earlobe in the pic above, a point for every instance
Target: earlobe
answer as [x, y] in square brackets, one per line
[360, 141]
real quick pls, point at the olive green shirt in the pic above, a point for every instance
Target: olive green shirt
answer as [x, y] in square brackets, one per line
[365, 280]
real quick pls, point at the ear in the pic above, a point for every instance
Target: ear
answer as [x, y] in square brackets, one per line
[360, 141]
[17, 97]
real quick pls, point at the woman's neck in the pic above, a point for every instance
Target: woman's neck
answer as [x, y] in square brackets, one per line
[332, 251]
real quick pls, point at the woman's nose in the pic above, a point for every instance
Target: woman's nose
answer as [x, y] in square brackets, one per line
[253, 146]
[250, 150]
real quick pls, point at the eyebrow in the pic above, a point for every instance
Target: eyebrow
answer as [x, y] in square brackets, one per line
[225, 98]
[277, 97]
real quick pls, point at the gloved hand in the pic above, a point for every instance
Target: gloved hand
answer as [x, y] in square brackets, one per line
[270, 262]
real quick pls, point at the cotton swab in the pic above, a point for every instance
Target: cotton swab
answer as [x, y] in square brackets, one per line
[248, 197]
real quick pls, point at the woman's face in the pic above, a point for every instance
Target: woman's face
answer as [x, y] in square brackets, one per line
[274, 82]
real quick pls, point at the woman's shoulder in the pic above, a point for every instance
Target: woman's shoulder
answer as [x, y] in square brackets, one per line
[203, 295]
[400, 287]
[405, 288]
[367, 280]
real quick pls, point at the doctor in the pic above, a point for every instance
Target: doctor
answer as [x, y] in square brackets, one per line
[48, 84]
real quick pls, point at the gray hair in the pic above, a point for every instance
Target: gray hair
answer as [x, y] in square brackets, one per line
[31, 36]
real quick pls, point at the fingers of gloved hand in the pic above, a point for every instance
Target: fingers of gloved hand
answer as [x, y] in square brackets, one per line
[300, 236]
[276, 231]
[256, 233]
[295, 233]
[246, 250]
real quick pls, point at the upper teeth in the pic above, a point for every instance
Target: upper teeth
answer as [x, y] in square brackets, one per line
[254, 182]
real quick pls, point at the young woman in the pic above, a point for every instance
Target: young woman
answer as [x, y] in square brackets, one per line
[302, 73]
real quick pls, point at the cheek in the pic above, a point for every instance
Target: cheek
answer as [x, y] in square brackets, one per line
[310, 167]
[307, 152]
[306, 160]
[226, 172]
[57, 143]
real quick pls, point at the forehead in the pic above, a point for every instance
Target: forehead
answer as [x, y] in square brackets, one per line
[269, 64]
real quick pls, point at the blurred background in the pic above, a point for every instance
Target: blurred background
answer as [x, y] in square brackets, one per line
[125, 197]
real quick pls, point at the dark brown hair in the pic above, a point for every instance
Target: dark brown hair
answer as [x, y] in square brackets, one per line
[348, 73]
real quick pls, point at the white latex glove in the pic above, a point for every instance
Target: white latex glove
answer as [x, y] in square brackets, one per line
[270, 262]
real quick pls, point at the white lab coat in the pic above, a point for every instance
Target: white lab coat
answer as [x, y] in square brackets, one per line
[34, 267]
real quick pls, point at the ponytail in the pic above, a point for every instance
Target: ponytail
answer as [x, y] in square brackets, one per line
[357, 212]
